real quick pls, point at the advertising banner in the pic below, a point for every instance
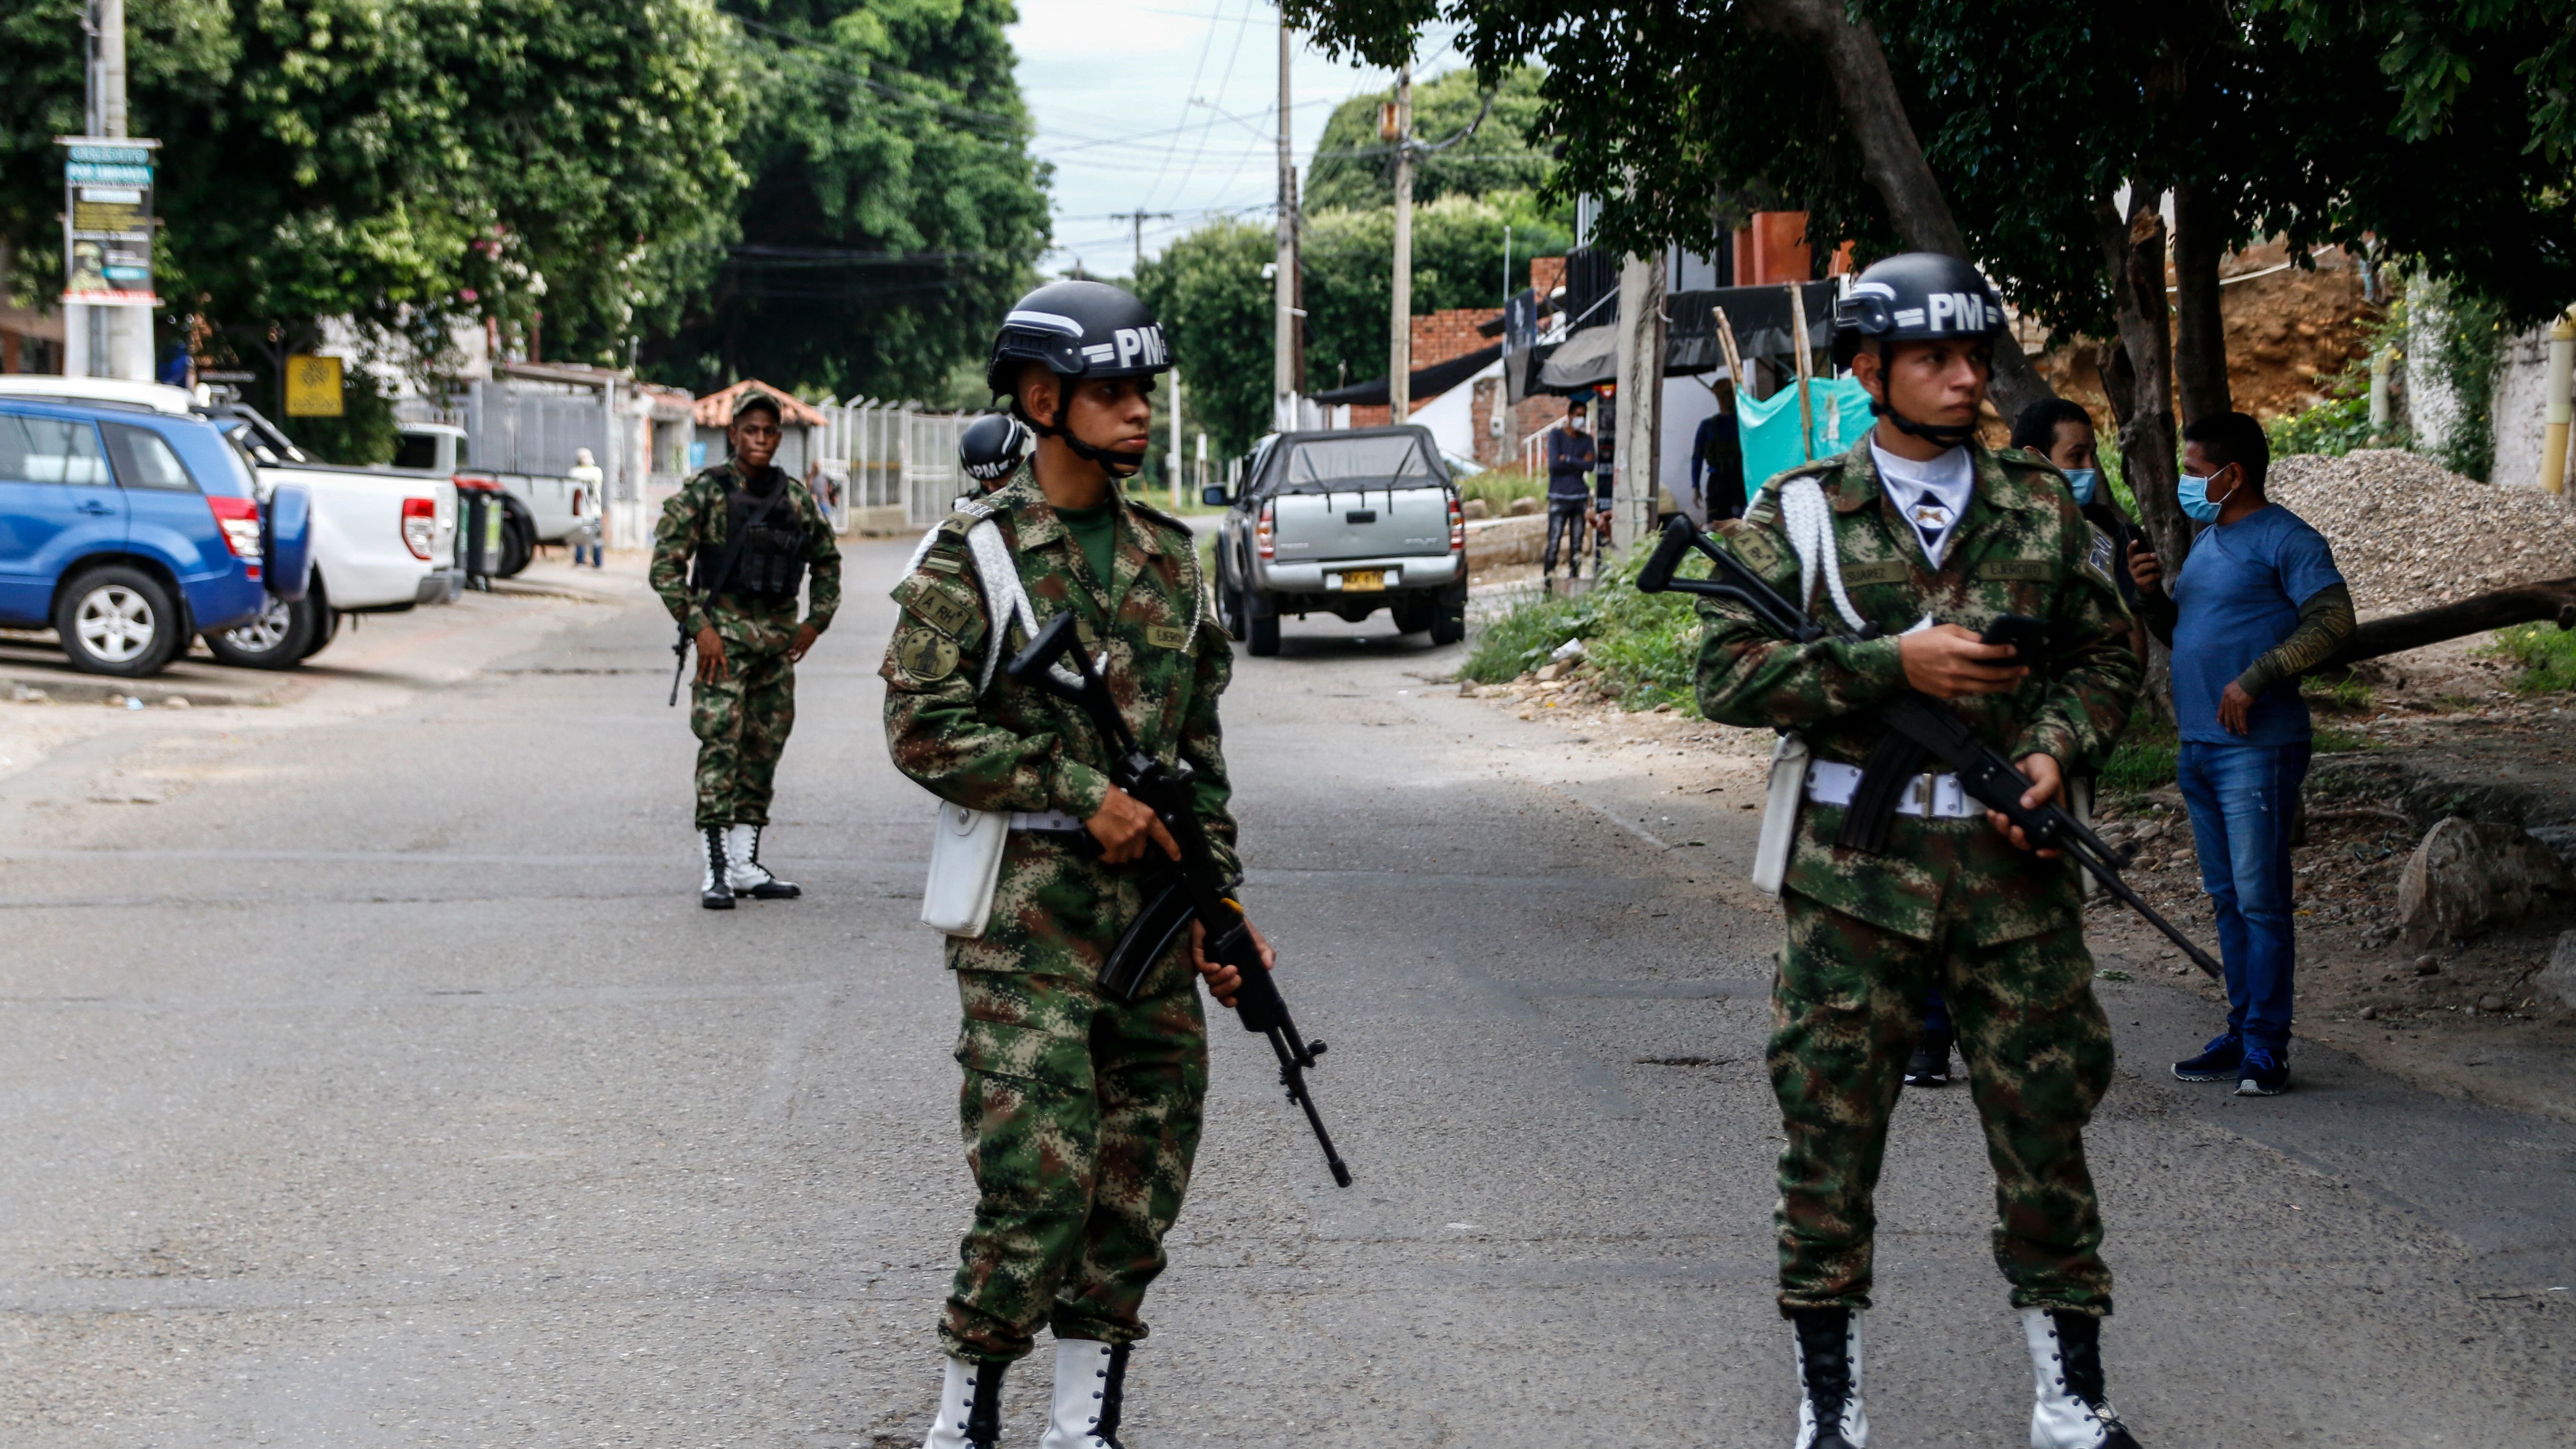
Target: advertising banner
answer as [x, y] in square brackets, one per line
[107, 221]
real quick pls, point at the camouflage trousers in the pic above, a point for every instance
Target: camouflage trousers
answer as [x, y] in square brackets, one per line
[1081, 1117]
[1846, 1010]
[742, 721]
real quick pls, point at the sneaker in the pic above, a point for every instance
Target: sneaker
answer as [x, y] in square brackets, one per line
[2263, 1074]
[1930, 1065]
[2217, 1061]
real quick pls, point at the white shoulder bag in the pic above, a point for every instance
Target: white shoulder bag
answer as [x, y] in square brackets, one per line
[966, 845]
[1809, 521]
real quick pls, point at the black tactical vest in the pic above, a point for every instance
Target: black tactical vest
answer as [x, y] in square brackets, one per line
[770, 560]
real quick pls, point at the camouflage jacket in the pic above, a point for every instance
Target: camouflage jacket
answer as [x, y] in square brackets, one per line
[693, 522]
[1009, 748]
[2023, 548]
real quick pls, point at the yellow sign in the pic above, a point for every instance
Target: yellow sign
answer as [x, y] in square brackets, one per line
[312, 386]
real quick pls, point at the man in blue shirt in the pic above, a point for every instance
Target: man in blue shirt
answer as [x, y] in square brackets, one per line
[2258, 602]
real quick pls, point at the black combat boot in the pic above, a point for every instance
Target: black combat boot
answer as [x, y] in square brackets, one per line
[1830, 1412]
[2073, 1409]
[1930, 1064]
[715, 886]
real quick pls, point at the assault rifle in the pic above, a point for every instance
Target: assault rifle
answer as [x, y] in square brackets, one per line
[1192, 888]
[1920, 729]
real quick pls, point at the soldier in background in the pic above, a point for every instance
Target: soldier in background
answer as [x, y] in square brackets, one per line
[735, 547]
[1932, 538]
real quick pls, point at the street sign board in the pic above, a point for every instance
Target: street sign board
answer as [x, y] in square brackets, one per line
[107, 221]
[312, 386]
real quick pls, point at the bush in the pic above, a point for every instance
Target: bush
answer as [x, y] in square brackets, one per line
[1498, 487]
[2546, 653]
[2145, 757]
[2333, 428]
[1643, 647]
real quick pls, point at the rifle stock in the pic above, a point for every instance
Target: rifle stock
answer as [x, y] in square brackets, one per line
[1929, 728]
[1180, 891]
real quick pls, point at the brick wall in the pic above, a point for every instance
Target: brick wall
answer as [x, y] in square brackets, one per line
[1440, 336]
[1546, 274]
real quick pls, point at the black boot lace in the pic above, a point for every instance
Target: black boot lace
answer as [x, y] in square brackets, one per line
[1824, 1360]
[1113, 1393]
[984, 1415]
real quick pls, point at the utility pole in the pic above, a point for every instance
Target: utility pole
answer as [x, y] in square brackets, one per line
[1285, 353]
[1396, 124]
[1172, 464]
[106, 338]
[1139, 218]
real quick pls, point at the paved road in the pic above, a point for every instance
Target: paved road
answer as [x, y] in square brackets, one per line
[380, 1083]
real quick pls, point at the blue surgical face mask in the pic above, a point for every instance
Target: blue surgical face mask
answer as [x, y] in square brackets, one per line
[2193, 494]
[2082, 481]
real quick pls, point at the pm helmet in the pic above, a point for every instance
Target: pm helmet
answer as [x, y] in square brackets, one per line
[1078, 329]
[1915, 297]
[991, 447]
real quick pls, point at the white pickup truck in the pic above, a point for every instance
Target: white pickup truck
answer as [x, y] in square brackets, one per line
[1343, 523]
[383, 538]
[537, 509]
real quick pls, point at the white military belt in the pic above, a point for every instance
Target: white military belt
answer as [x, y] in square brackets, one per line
[1939, 796]
[1047, 820]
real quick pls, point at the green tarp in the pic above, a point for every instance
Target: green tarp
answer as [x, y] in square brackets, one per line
[1768, 428]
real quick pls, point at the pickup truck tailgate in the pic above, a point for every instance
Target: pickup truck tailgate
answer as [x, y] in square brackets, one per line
[1361, 523]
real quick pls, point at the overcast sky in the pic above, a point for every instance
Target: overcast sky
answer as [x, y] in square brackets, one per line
[1170, 106]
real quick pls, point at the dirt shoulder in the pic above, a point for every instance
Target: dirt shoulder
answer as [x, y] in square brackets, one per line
[2436, 732]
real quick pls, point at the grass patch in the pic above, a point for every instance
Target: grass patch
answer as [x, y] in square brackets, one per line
[1643, 648]
[2145, 757]
[1499, 486]
[2342, 694]
[2546, 653]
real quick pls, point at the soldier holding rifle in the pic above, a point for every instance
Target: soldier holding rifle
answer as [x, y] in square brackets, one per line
[1081, 1105]
[1915, 546]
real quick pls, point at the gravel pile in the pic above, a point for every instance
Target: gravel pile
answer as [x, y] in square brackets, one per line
[2410, 534]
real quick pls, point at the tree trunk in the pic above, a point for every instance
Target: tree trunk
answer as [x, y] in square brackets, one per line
[2522, 604]
[2133, 255]
[1892, 156]
[2200, 335]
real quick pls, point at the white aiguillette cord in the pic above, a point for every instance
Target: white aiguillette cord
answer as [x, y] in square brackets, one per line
[1809, 520]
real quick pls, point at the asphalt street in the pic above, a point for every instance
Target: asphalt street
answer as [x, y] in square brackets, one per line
[369, 1076]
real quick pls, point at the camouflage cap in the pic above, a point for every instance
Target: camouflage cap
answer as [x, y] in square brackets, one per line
[752, 399]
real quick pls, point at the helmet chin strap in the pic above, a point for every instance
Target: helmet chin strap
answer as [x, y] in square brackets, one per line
[1115, 465]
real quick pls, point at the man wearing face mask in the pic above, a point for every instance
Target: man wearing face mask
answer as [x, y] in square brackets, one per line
[1916, 541]
[2258, 602]
[1569, 491]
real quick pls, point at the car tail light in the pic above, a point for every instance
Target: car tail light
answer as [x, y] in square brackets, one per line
[419, 525]
[1457, 527]
[1265, 532]
[239, 520]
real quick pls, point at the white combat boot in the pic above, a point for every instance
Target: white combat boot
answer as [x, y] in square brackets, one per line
[1830, 1412]
[745, 873]
[2073, 1410]
[970, 1407]
[1090, 1382]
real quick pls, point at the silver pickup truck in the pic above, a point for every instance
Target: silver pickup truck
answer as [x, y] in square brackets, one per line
[1343, 523]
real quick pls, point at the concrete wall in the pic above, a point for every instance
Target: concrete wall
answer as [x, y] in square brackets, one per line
[2521, 409]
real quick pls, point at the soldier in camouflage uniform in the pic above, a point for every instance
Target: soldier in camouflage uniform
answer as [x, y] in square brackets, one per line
[748, 637]
[1936, 538]
[1081, 1113]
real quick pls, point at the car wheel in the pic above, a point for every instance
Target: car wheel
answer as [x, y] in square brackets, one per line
[1261, 631]
[1415, 616]
[326, 627]
[275, 640]
[518, 547]
[119, 620]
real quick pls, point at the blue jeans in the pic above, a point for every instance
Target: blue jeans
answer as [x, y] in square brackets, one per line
[2243, 798]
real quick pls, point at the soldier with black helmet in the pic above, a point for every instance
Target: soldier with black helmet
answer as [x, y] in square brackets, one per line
[1921, 540]
[1081, 1110]
[736, 547]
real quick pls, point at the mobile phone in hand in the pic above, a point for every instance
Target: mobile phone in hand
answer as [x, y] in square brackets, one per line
[2027, 636]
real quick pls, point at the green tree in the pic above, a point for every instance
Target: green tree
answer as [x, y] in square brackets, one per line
[894, 210]
[1208, 291]
[1355, 170]
[405, 165]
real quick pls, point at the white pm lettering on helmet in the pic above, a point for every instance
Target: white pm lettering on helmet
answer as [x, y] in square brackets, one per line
[1943, 305]
[1155, 352]
[1129, 344]
[1972, 311]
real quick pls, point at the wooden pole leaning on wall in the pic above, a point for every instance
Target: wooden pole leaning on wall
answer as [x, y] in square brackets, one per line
[1734, 359]
[1806, 370]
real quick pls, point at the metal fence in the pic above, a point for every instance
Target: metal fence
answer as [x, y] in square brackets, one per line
[513, 426]
[892, 466]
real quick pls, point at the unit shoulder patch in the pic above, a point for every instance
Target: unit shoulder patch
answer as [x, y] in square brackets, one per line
[930, 600]
[2099, 554]
[1756, 549]
[925, 655]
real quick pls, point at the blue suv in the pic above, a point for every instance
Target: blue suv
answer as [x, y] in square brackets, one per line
[128, 531]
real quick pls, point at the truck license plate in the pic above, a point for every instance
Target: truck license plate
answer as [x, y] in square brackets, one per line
[1363, 580]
